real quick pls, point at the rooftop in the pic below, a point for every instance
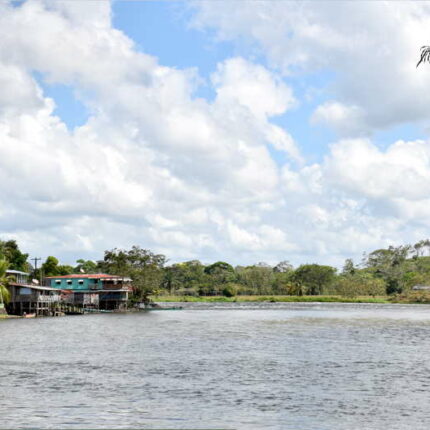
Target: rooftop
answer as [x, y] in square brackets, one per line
[421, 287]
[87, 276]
[68, 291]
[33, 287]
[16, 272]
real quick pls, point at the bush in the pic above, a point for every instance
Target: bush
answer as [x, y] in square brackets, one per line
[414, 297]
[229, 290]
[359, 284]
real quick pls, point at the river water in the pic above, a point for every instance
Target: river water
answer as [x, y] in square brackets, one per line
[232, 366]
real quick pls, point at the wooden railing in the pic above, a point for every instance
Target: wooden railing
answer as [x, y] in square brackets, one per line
[32, 298]
[48, 299]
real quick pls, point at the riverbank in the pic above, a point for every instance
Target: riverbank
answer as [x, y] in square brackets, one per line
[410, 298]
[275, 299]
[6, 316]
[164, 300]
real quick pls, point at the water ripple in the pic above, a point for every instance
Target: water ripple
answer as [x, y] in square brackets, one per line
[233, 365]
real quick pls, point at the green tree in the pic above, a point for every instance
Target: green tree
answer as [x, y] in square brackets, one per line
[390, 265]
[220, 267]
[85, 266]
[4, 280]
[9, 250]
[51, 267]
[390, 257]
[349, 267]
[359, 283]
[256, 279]
[115, 262]
[314, 277]
[171, 282]
[283, 283]
[65, 269]
[186, 278]
[143, 266]
[219, 274]
[230, 290]
[420, 247]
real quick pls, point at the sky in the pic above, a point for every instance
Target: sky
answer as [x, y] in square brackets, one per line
[242, 131]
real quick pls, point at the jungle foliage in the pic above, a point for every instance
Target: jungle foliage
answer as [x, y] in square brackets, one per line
[388, 271]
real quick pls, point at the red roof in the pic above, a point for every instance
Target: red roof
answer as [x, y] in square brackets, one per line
[85, 276]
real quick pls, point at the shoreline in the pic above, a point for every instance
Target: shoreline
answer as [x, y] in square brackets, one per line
[170, 299]
[290, 299]
[7, 316]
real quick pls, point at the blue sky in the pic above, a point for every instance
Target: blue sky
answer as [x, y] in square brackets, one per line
[163, 29]
[290, 133]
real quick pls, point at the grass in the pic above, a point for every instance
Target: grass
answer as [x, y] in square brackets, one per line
[274, 299]
[6, 316]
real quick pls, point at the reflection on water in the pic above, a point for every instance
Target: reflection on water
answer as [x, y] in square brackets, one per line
[269, 366]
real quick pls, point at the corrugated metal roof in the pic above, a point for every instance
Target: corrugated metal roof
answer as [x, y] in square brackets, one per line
[124, 290]
[16, 272]
[87, 276]
[421, 287]
[33, 287]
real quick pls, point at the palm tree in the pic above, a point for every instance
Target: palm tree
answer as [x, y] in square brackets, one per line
[4, 280]
[425, 55]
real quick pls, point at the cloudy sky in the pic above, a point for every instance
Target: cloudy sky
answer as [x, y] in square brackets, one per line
[242, 131]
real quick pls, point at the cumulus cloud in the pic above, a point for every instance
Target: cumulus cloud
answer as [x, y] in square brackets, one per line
[346, 120]
[400, 172]
[252, 86]
[370, 47]
[152, 164]
[157, 166]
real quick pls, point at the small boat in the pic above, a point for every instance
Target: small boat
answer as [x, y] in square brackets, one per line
[29, 315]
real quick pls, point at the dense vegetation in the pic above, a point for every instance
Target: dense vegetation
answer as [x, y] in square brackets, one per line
[391, 271]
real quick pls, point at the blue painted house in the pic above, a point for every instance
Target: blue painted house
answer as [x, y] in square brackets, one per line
[98, 290]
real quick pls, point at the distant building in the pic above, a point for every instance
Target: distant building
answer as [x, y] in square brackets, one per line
[99, 290]
[28, 298]
[17, 276]
[421, 288]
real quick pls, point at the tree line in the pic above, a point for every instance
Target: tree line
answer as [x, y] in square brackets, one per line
[393, 270]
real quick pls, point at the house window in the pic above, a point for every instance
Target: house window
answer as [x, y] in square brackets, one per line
[69, 282]
[58, 282]
[81, 282]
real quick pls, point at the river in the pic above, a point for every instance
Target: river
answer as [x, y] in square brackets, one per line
[233, 366]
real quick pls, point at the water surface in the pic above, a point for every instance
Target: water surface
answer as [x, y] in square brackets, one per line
[235, 366]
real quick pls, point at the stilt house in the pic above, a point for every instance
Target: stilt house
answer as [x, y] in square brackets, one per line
[97, 291]
[27, 298]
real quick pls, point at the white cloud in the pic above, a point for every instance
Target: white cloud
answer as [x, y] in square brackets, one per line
[401, 172]
[156, 166]
[371, 48]
[282, 141]
[238, 82]
[152, 164]
[346, 120]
